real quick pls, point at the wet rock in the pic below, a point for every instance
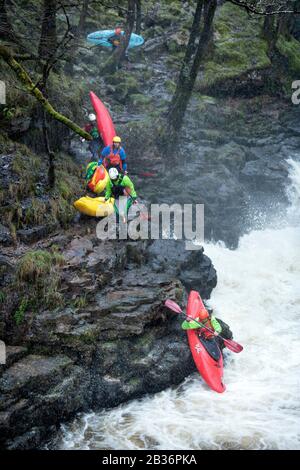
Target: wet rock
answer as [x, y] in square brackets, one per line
[31, 235]
[198, 273]
[30, 439]
[5, 236]
[45, 389]
[193, 268]
[14, 354]
[266, 173]
[148, 362]
[33, 373]
[154, 45]
[77, 250]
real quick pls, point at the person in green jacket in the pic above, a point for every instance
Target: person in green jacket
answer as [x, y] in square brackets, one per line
[205, 319]
[120, 185]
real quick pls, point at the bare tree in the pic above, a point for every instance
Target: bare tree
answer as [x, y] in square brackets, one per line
[6, 29]
[138, 16]
[48, 40]
[83, 17]
[190, 67]
[268, 7]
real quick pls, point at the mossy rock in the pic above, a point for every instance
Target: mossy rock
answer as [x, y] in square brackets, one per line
[166, 19]
[139, 101]
[170, 86]
[37, 264]
[153, 32]
[37, 282]
[290, 49]
[124, 85]
[238, 47]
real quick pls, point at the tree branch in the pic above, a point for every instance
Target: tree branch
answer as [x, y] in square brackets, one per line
[31, 88]
[252, 9]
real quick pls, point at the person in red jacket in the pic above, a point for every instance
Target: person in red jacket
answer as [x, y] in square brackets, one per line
[96, 143]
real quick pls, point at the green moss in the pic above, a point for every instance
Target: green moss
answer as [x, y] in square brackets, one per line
[19, 314]
[238, 46]
[2, 297]
[35, 213]
[80, 302]
[37, 280]
[140, 101]
[125, 85]
[66, 96]
[170, 86]
[36, 265]
[290, 49]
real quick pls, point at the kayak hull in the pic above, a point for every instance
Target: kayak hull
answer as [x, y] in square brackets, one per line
[95, 206]
[100, 38]
[210, 369]
[104, 121]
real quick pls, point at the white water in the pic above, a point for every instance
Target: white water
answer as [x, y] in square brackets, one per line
[258, 295]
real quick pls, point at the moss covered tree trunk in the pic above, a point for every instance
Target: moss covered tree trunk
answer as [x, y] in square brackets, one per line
[31, 88]
[48, 39]
[191, 64]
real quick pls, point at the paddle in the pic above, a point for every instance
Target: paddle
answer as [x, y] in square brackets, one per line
[229, 343]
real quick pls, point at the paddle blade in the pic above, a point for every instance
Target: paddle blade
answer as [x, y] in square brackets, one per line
[233, 345]
[173, 306]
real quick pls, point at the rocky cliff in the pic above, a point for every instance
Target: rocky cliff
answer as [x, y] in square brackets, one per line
[109, 339]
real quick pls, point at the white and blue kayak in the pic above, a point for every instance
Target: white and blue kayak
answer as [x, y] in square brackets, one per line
[100, 38]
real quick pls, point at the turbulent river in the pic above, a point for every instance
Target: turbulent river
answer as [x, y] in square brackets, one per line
[258, 295]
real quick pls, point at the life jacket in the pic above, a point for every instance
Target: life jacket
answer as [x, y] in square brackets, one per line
[99, 180]
[205, 320]
[114, 159]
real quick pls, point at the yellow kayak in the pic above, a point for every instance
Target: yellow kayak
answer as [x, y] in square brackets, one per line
[95, 206]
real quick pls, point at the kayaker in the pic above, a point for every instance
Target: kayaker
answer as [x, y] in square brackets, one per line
[207, 320]
[114, 156]
[120, 185]
[96, 143]
[115, 39]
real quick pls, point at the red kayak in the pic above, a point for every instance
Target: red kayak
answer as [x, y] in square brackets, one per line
[104, 121]
[206, 353]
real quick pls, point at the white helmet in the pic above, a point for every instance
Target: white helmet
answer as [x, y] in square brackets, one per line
[113, 173]
[92, 117]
